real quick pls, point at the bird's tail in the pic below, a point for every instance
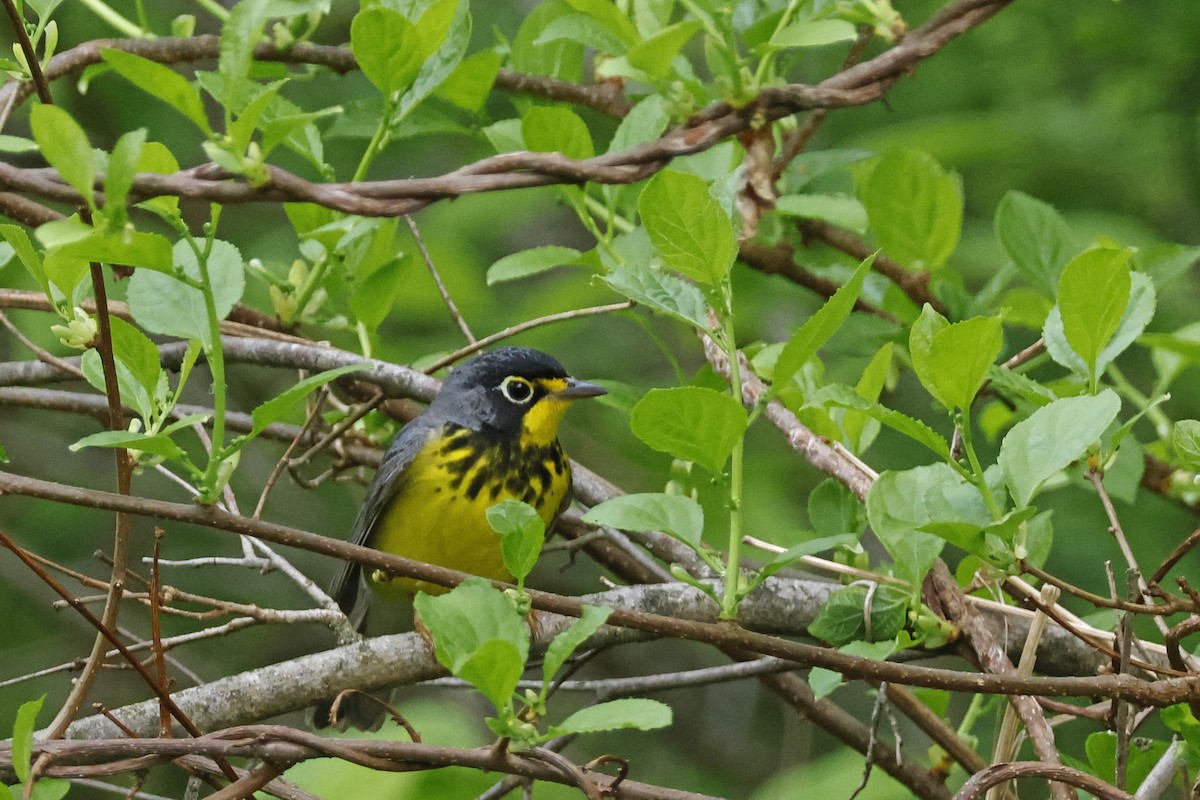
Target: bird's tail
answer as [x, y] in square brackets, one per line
[354, 707]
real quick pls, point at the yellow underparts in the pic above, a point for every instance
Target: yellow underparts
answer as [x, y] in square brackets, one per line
[439, 514]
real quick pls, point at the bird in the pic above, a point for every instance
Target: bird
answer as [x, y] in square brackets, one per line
[490, 435]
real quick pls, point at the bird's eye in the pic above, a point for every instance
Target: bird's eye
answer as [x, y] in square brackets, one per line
[516, 390]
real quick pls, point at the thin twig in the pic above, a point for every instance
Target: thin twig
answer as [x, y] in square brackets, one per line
[513, 330]
[314, 414]
[1158, 693]
[108, 635]
[31, 57]
[123, 524]
[1118, 532]
[41, 353]
[979, 783]
[861, 84]
[437, 279]
[160, 661]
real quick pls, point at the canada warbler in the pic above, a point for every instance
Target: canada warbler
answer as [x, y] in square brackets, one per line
[490, 435]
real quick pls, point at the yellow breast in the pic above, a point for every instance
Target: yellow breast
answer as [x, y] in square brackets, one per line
[439, 515]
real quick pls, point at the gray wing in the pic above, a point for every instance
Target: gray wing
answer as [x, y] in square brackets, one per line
[388, 481]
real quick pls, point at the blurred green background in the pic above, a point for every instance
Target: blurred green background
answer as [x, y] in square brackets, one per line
[1090, 105]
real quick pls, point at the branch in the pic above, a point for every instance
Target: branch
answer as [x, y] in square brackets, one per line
[278, 744]
[829, 457]
[984, 649]
[758, 609]
[914, 284]
[855, 86]
[980, 782]
[780, 260]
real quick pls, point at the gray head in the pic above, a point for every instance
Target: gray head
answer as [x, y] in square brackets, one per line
[496, 392]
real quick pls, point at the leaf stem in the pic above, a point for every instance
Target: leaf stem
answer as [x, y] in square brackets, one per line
[310, 286]
[113, 18]
[1162, 423]
[378, 140]
[980, 479]
[733, 573]
[216, 364]
[760, 74]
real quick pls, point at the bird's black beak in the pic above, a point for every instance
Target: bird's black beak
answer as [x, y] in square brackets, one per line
[577, 390]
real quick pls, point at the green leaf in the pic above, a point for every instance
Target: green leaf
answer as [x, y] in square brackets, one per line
[1092, 295]
[241, 131]
[1052, 438]
[645, 122]
[16, 144]
[1179, 719]
[660, 291]
[157, 158]
[530, 262]
[900, 504]
[434, 24]
[898, 421]
[823, 681]
[443, 49]
[156, 444]
[388, 48]
[1123, 475]
[690, 422]
[814, 33]
[19, 240]
[1014, 385]
[1166, 262]
[554, 129]
[843, 617]
[279, 407]
[119, 175]
[494, 669]
[479, 636]
[163, 82]
[127, 248]
[1035, 237]
[673, 514]
[44, 789]
[63, 269]
[688, 227]
[374, 294]
[654, 55]
[1138, 313]
[1101, 749]
[860, 434]
[638, 713]
[610, 16]
[560, 59]
[469, 85]
[3, 454]
[820, 327]
[239, 34]
[915, 207]
[951, 360]
[139, 370]
[837, 209]
[567, 642]
[522, 533]
[65, 146]
[165, 304]
[22, 738]
[1185, 439]
[833, 509]
[800, 550]
[582, 29]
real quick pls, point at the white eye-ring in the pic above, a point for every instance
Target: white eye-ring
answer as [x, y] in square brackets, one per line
[516, 390]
